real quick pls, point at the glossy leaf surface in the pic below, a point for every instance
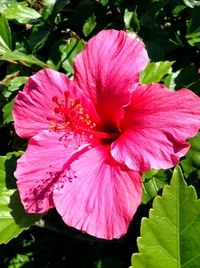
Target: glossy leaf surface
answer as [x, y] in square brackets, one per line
[155, 71]
[172, 229]
[13, 218]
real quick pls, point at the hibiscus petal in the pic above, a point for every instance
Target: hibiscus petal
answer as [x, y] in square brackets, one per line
[108, 70]
[156, 126]
[40, 169]
[102, 198]
[34, 104]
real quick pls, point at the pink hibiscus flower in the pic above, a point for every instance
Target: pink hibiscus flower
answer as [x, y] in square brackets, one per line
[91, 138]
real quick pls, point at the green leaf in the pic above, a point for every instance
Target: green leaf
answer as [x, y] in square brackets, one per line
[150, 189]
[155, 71]
[21, 13]
[194, 153]
[192, 3]
[5, 35]
[152, 182]
[58, 7]
[7, 112]
[20, 260]
[193, 29]
[89, 25]
[13, 218]
[192, 158]
[23, 59]
[14, 85]
[170, 237]
[188, 78]
[131, 20]
[38, 38]
[178, 9]
[194, 38]
[149, 174]
[170, 79]
[5, 3]
[7, 168]
[104, 2]
[48, 2]
[69, 52]
[62, 54]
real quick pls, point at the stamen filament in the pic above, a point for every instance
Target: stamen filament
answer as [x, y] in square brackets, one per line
[70, 117]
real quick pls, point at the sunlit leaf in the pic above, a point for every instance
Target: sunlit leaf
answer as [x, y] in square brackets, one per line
[23, 58]
[170, 236]
[170, 79]
[21, 13]
[131, 20]
[5, 35]
[13, 218]
[194, 38]
[5, 3]
[89, 25]
[192, 3]
[48, 2]
[155, 71]
[69, 52]
[14, 85]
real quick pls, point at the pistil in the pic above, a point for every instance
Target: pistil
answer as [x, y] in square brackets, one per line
[70, 118]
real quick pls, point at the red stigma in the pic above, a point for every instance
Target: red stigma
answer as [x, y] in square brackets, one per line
[55, 99]
[66, 93]
[77, 101]
[72, 113]
[70, 117]
[57, 110]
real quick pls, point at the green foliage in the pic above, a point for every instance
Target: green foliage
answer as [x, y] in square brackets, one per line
[89, 25]
[155, 71]
[20, 260]
[63, 53]
[10, 87]
[14, 84]
[5, 35]
[131, 20]
[152, 182]
[192, 158]
[38, 34]
[7, 112]
[13, 218]
[21, 58]
[191, 163]
[192, 3]
[172, 229]
[20, 12]
[193, 29]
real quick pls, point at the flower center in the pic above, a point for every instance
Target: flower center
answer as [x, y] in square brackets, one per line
[70, 117]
